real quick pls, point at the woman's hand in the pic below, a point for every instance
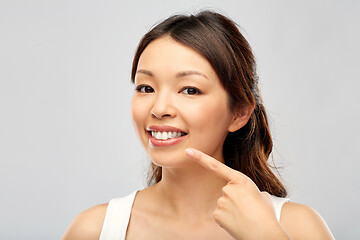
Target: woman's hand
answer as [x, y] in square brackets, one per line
[243, 211]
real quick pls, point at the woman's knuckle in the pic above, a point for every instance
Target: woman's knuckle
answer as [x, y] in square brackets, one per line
[221, 202]
[217, 215]
[226, 190]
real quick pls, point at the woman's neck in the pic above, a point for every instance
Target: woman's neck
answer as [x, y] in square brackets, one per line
[189, 192]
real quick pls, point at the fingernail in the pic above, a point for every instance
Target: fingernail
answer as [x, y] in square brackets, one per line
[189, 152]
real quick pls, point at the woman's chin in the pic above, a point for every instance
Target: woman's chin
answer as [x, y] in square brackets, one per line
[169, 161]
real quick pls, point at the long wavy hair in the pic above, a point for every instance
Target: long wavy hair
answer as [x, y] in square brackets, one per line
[218, 39]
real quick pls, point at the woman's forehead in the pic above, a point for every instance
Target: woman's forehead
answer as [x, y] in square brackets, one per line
[166, 54]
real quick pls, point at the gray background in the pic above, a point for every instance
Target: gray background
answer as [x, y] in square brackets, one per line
[66, 136]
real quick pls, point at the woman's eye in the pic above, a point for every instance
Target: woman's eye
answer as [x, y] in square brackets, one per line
[190, 91]
[144, 89]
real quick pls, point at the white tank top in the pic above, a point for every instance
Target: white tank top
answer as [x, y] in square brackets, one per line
[119, 210]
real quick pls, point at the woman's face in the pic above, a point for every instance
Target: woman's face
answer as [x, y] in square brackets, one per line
[178, 103]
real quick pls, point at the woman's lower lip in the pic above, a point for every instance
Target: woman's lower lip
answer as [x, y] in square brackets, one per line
[164, 143]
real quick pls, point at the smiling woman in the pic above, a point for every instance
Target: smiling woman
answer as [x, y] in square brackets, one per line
[187, 95]
[198, 113]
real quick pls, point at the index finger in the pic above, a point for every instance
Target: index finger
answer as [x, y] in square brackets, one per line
[213, 165]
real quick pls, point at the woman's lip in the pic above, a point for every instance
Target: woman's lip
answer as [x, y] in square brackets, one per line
[164, 143]
[164, 128]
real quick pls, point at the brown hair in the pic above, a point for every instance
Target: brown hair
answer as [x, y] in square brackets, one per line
[218, 39]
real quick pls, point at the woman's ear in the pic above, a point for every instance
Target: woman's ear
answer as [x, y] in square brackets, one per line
[242, 115]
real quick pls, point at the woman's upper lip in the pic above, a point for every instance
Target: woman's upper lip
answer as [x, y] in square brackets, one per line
[164, 128]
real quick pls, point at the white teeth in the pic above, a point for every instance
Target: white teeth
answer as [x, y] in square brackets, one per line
[158, 135]
[165, 135]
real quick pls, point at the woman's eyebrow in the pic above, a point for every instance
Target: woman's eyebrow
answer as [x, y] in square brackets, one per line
[178, 75]
[146, 72]
[187, 73]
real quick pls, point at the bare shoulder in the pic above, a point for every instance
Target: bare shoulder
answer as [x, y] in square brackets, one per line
[87, 225]
[303, 222]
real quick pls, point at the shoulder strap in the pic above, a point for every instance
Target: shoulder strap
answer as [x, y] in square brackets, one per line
[117, 218]
[278, 202]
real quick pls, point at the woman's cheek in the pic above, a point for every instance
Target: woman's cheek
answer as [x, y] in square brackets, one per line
[138, 113]
[211, 121]
[198, 119]
[134, 113]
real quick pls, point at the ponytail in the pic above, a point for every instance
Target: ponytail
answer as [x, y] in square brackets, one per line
[248, 150]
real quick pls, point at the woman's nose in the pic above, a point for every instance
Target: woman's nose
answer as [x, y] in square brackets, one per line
[163, 107]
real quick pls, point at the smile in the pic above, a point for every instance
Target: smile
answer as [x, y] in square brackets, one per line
[165, 135]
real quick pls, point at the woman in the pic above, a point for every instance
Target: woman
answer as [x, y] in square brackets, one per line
[198, 113]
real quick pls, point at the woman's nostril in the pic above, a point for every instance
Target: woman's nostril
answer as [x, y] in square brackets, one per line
[159, 116]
